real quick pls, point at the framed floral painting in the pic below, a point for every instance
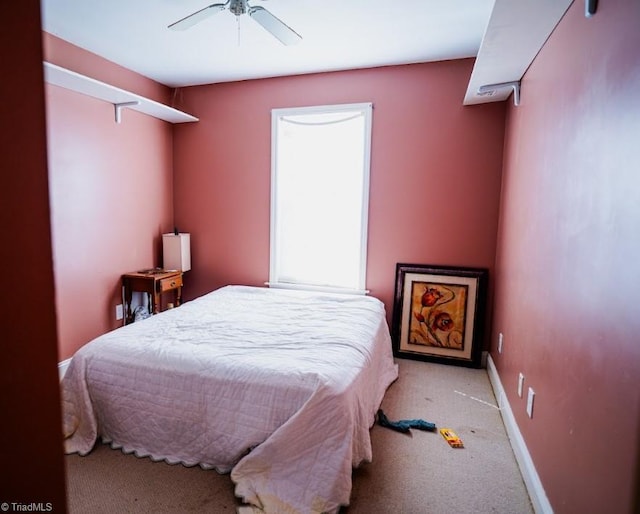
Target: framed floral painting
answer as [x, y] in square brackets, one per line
[438, 313]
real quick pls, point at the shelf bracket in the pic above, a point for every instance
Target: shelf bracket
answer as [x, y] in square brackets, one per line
[515, 85]
[118, 108]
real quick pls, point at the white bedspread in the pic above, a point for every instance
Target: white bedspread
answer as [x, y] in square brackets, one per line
[279, 387]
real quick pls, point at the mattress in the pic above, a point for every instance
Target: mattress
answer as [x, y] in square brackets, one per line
[277, 387]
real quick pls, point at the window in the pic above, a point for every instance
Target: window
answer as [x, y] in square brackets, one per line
[320, 196]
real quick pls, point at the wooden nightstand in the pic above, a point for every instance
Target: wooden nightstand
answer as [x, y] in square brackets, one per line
[155, 282]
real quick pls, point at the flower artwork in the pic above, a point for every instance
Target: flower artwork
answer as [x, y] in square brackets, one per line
[438, 314]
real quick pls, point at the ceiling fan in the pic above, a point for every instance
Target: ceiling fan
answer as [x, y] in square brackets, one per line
[269, 22]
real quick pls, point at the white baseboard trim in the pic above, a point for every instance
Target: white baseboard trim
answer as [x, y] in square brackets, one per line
[62, 367]
[530, 476]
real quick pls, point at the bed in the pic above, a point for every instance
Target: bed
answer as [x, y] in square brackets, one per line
[277, 387]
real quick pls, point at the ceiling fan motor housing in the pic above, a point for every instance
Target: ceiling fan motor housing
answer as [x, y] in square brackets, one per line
[238, 7]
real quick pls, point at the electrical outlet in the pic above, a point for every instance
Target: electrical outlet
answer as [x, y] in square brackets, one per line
[520, 384]
[530, 398]
[119, 312]
[500, 339]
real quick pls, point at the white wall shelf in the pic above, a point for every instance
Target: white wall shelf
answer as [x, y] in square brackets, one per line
[515, 34]
[120, 98]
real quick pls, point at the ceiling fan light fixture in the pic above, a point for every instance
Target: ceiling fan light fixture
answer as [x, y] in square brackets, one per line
[276, 27]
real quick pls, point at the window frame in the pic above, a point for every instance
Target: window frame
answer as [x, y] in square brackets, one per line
[366, 108]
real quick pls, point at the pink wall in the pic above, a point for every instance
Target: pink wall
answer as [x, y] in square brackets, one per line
[111, 189]
[30, 432]
[435, 171]
[568, 265]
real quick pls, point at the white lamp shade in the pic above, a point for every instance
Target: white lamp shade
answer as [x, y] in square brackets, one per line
[176, 251]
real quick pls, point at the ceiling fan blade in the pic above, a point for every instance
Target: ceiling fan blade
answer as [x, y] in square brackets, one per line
[197, 17]
[278, 28]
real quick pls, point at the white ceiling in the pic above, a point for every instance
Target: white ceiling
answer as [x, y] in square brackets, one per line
[503, 35]
[337, 35]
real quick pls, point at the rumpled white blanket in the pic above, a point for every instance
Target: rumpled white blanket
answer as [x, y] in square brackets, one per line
[279, 387]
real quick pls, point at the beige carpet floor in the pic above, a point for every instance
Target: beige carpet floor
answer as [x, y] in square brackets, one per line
[415, 473]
